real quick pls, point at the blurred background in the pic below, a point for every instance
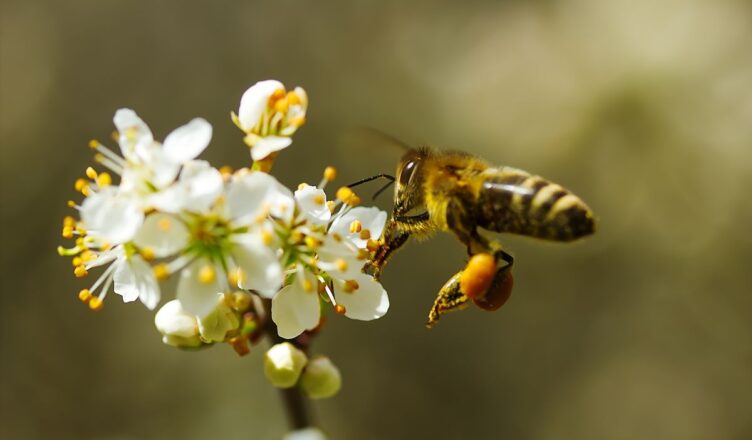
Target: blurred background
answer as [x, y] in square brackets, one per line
[641, 107]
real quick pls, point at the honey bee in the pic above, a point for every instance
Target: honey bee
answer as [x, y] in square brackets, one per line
[460, 193]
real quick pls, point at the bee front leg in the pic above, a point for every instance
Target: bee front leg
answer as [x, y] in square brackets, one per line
[393, 239]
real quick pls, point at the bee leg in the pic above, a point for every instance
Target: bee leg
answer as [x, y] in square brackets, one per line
[449, 299]
[388, 245]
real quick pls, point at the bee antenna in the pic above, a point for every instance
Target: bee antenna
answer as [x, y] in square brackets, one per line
[372, 178]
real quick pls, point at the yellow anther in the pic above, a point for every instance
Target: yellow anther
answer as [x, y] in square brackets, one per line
[354, 201]
[302, 185]
[311, 242]
[77, 261]
[277, 94]
[80, 242]
[93, 144]
[80, 184]
[88, 255]
[91, 173]
[336, 237]
[96, 303]
[226, 171]
[207, 274]
[340, 309]
[307, 286]
[161, 272]
[297, 237]
[99, 158]
[363, 254]
[351, 286]
[267, 238]
[341, 265]
[115, 136]
[293, 98]
[104, 179]
[240, 345]
[281, 105]
[164, 224]
[67, 232]
[242, 301]
[148, 253]
[344, 194]
[71, 204]
[330, 173]
[84, 295]
[365, 234]
[241, 276]
[232, 277]
[331, 205]
[80, 272]
[105, 246]
[319, 199]
[86, 191]
[69, 221]
[297, 121]
[372, 245]
[355, 226]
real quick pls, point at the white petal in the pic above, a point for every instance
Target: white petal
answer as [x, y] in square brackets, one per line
[188, 141]
[338, 258]
[312, 203]
[369, 301]
[370, 218]
[134, 279]
[105, 257]
[110, 216]
[294, 309]
[202, 183]
[254, 101]
[253, 193]
[134, 133]
[173, 320]
[269, 144]
[160, 171]
[163, 234]
[198, 297]
[215, 325]
[258, 263]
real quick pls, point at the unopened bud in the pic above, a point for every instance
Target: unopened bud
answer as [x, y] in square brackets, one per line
[178, 327]
[283, 364]
[214, 326]
[321, 378]
[305, 434]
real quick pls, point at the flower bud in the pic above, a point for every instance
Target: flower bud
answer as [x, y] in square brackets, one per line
[178, 327]
[214, 326]
[283, 364]
[321, 379]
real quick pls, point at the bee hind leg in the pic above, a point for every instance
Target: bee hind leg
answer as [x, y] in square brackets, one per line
[449, 299]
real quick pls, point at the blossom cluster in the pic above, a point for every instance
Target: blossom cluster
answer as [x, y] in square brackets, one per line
[248, 253]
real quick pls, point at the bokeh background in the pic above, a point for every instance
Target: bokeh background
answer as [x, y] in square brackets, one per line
[642, 107]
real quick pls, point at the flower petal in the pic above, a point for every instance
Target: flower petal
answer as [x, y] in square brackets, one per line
[110, 216]
[312, 203]
[199, 294]
[202, 183]
[367, 302]
[188, 141]
[215, 325]
[254, 101]
[134, 134]
[267, 145]
[373, 219]
[339, 258]
[294, 309]
[253, 193]
[258, 263]
[164, 234]
[173, 320]
[134, 279]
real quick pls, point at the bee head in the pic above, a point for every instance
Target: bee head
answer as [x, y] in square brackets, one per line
[408, 192]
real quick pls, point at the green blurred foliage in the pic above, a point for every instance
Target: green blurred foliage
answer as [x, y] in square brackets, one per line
[643, 108]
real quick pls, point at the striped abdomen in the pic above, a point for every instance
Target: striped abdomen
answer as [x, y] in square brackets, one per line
[512, 200]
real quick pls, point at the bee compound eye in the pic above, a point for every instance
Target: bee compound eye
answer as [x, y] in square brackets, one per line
[407, 172]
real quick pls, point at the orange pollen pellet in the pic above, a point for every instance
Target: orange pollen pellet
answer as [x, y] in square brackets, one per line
[84, 295]
[330, 173]
[355, 226]
[96, 303]
[365, 234]
[340, 309]
[80, 272]
[478, 275]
